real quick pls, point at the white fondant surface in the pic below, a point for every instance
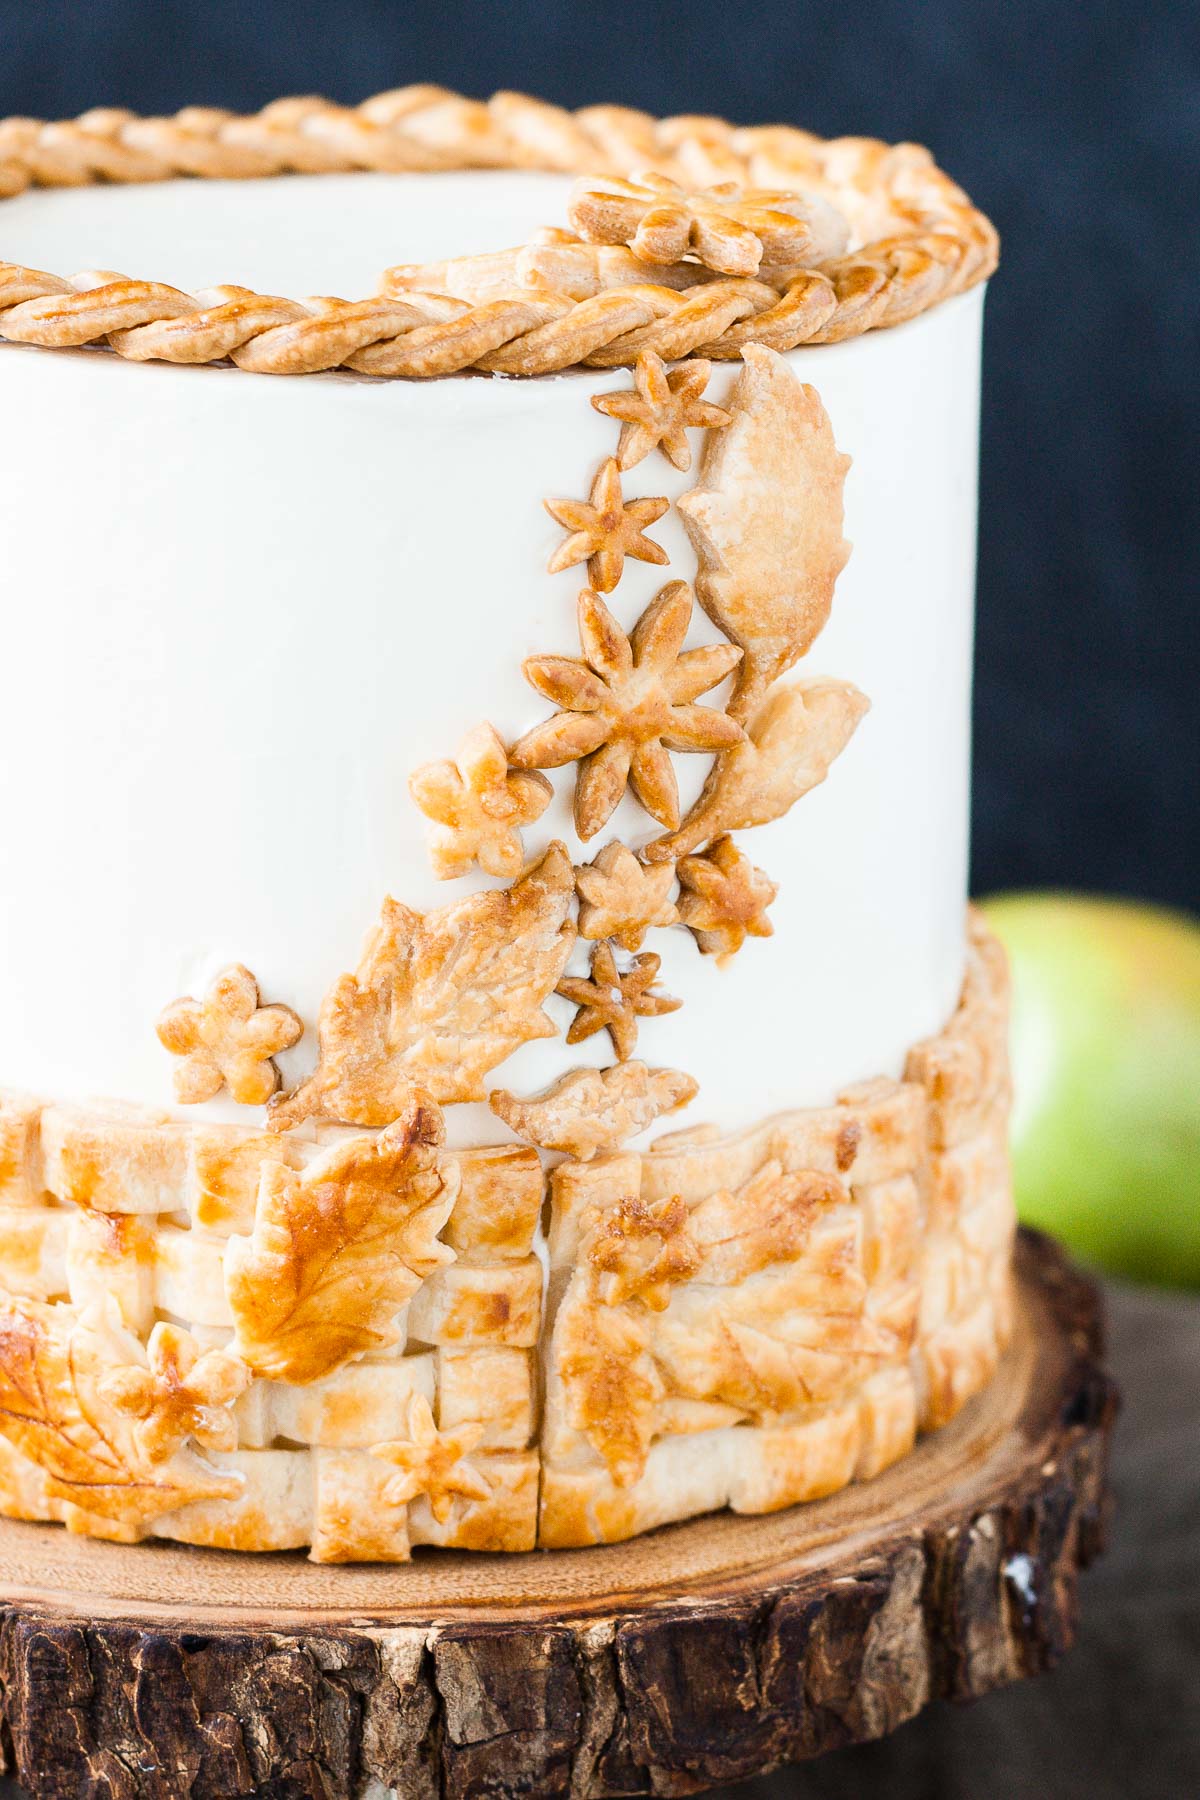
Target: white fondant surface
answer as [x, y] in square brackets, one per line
[291, 234]
[239, 610]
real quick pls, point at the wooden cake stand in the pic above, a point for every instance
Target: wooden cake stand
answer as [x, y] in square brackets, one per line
[705, 1652]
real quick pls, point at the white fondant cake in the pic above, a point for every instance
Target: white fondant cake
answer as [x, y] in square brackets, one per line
[390, 747]
[261, 604]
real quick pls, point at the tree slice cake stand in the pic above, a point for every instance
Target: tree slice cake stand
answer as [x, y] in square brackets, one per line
[702, 1653]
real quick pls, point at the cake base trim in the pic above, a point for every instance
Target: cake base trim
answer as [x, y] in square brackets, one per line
[601, 297]
[704, 1654]
[747, 1321]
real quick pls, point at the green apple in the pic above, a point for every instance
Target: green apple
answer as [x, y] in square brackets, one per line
[1106, 1065]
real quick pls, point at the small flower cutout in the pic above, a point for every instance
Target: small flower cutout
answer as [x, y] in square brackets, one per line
[614, 999]
[432, 1462]
[626, 705]
[182, 1393]
[605, 530]
[641, 1250]
[479, 805]
[227, 1040]
[656, 412]
[724, 899]
[729, 229]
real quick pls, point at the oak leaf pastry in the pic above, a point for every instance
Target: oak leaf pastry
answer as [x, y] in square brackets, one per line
[340, 1246]
[478, 805]
[613, 999]
[766, 521]
[605, 529]
[227, 1040]
[657, 412]
[793, 737]
[57, 1369]
[590, 1110]
[439, 999]
[742, 1308]
[626, 705]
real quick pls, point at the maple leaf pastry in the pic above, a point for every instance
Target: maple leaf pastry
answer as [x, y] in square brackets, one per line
[493, 1049]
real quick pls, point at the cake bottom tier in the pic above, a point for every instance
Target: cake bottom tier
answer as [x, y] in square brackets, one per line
[748, 1321]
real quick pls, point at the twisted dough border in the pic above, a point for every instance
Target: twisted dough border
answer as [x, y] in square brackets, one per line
[922, 239]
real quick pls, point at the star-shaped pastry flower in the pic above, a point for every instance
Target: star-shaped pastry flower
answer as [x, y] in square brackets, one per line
[432, 1462]
[613, 999]
[605, 530]
[227, 1040]
[658, 409]
[641, 1250]
[479, 805]
[621, 898]
[626, 705]
[182, 1394]
[724, 898]
[727, 228]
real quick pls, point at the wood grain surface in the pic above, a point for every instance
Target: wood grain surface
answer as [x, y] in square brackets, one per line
[698, 1655]
[1119, 1718]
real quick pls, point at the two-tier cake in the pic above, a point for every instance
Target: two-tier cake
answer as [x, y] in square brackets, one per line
[493, 1051]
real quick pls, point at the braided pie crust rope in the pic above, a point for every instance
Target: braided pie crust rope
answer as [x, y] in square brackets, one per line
[552, 304]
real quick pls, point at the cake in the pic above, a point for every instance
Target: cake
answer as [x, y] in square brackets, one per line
[493, 1048]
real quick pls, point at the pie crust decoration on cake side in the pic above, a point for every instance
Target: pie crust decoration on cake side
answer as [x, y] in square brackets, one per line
[746, 1321]
[227, 1040]
[439, 999]
[657, 411]
[625, 705]
[335, 1325]
[479, 804]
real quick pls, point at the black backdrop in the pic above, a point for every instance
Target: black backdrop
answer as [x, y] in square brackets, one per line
[1074, 125]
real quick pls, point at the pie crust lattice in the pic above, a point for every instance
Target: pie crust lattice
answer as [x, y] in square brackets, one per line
[808, 1295]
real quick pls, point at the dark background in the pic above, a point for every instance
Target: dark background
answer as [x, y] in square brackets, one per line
[1075, 126]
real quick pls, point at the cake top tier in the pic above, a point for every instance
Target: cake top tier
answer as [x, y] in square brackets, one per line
[684, 235]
